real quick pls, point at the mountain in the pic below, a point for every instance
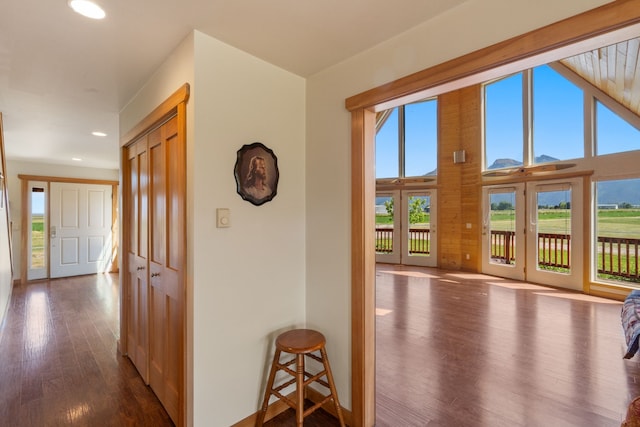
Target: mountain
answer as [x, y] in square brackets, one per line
[510, 163]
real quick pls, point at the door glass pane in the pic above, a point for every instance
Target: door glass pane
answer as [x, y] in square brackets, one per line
[384, 224]
[419, 211]
[553, 221]
[37, 228]
[387, 148]
[558, 117]
[502, 227]
[504, 129]
[618, 231]
[421, 138]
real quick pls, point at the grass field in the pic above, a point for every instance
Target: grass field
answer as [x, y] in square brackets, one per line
[611, 223]
[37, 241]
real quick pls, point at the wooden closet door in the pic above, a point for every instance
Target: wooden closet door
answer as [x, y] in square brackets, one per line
[166, 262]
[136, 208]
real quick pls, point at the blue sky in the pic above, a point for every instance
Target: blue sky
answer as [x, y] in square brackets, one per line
[37, 203]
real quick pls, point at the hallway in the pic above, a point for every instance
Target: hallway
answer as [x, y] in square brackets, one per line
[59, 363]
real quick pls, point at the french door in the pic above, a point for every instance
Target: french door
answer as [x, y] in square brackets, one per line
[533, 232]
[406, 227]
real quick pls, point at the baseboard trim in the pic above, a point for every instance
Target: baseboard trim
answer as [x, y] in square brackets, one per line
[278, 407]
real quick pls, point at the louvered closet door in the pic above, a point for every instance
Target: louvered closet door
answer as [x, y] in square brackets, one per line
[136, 208]
[166, 262]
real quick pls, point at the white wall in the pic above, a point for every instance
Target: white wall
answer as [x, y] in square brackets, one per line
[469, 27]
[5, 265]
[18, 167]
[246, 282]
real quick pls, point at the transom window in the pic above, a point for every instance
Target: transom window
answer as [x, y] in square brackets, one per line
[548, 114]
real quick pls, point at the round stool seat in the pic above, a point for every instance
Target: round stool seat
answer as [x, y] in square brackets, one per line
[300, 341]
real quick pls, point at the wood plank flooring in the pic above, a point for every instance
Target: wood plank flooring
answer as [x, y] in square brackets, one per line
[59, 364]
[453, 349]
[460, 349]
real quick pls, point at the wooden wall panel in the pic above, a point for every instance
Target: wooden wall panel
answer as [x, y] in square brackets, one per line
[471, 191]
[450, 181]
[459, 212]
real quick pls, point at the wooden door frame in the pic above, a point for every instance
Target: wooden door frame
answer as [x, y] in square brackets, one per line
[24, 216]
[174, 106]
[605, 25]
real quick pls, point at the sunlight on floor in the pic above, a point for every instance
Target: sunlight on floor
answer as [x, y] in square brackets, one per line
[382, 311]
[578, 297]
[519, 285]
[410, 274]
[471, 276]
[37, 331]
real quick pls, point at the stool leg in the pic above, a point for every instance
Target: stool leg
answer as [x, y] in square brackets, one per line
[332, 387]
[267, 391]
[300, 389]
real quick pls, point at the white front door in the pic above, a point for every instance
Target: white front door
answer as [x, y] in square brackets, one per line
[80, 229]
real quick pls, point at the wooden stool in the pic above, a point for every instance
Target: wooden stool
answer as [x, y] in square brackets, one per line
[301, 343]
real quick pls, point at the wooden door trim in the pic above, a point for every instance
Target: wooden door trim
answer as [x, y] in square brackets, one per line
[604, 25]
[173, 106]
[24, 215]
[160, 114]
[595, 28]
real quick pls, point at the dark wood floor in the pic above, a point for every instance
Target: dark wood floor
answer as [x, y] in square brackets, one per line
[471, 350]
[58, 360]
[452, 350]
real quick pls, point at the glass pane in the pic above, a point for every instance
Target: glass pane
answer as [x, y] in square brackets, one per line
[421, 138]
[387, 148]
[558, 117]
[37, 228]
[419, 210]
[504, 134]
[384, 224]
[618, 231]
[502, 226]
[613, 133]
[554, 230]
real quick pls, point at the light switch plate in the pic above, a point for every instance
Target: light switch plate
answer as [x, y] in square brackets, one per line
[223, 217]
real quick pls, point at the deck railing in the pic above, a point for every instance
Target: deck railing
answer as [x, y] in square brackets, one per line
[419, 241]
[617, 257]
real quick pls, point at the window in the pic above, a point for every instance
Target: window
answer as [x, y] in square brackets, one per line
[406, 140]
[558, 118]
[504, 127]
[613, 134]
[558, 105]
[618, 231]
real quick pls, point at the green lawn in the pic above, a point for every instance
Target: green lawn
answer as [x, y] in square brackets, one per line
[37, 241]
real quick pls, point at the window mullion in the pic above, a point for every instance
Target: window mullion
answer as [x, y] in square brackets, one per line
[401, 140]
[589, 125]
[527, 119]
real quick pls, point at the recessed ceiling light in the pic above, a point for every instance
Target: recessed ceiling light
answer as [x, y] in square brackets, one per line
[76, 159]
[98, 133]
[87, 8]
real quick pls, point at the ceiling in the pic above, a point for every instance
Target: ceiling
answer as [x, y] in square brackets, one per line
[63, 76]
[614, 69]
